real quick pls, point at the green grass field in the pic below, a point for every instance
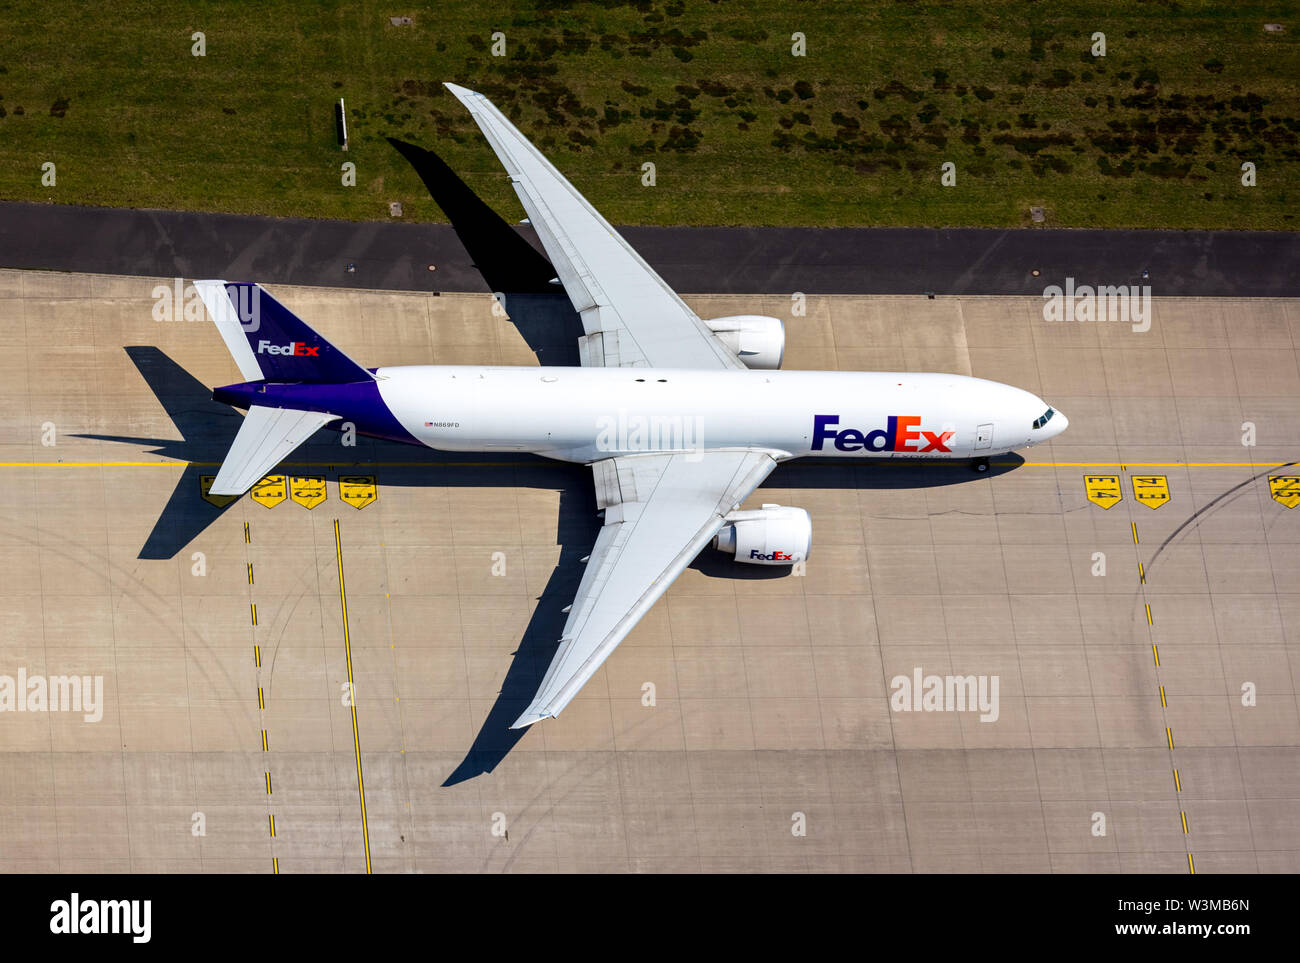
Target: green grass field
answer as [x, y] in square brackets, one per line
[741, 132]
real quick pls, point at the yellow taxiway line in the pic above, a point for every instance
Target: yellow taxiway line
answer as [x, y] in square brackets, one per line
[523, 464]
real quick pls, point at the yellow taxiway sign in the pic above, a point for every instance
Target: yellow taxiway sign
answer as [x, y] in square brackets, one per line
[358, 490]
[270, 491]
[1103, 490]
[1285, 489]
[1151, 490]
[308, 490]
[205, 486]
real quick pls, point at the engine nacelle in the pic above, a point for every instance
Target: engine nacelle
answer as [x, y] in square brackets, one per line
[759, 341]
[774, 535]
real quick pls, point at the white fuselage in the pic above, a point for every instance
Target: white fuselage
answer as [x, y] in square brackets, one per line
[586, 414]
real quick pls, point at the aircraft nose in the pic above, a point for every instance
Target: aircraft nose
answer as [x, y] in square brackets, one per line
[1060, 422]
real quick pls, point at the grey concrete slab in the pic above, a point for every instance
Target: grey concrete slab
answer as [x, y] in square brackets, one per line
[747, 724]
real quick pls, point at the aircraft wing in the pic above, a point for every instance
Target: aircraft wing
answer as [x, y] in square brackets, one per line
[631, 317]
[660, 511]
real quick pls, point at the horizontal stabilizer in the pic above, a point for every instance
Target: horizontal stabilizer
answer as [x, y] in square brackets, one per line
[267, 436]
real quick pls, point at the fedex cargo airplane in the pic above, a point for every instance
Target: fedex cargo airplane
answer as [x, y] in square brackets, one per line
[680, 418]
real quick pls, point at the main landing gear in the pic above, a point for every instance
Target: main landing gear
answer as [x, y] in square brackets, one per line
[979, 465]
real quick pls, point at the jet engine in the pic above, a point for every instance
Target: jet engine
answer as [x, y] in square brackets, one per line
[773, 535]
[759, 341]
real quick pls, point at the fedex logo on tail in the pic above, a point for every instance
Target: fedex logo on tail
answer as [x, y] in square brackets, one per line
[295, 348]
[901, 433]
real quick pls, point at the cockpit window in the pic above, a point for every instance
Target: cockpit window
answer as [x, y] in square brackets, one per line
[1047, 416]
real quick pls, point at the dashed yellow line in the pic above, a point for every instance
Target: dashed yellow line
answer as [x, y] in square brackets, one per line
[257, 656]
[261, 699]
[248, 535]
[1164, 699]
[265, 747]
[271, 816]
[275, 865]
[268, 784]
[250, 573]
[356, 737]
[253, 608]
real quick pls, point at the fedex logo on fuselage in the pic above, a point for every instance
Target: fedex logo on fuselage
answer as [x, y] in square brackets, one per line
[773, 556]
[901, 433]
[295, 348]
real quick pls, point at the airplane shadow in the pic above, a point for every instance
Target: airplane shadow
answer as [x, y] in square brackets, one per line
[206, 427]
[514, 270]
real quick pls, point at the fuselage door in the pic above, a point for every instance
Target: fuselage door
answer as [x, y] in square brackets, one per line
[983, 436]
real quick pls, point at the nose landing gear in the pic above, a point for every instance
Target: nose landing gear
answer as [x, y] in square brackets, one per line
[979, 465]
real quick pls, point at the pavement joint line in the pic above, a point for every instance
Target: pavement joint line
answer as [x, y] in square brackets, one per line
[352, 699]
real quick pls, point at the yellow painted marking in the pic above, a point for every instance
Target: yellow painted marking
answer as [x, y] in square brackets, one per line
[1178, 784]
[272, 818]
[261, 699]
[270, 491]
[275, 865]
[533, 464]
[1134, 526]
[356, 737]
[1151, 490]
[1163, 703]
[1191, 864]
[1148, 613]
[253, 607]
[1285, 489]
[308, 490]
[265, 747]
[1169, 734]
[1183, 813]
[358, 490]
[248, 535]
[1155, 652]
[1151, 464]
[1103, 490]
[257, 656]
[1142, 573]
[205, 485]
[250, 573]
[268, 784]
